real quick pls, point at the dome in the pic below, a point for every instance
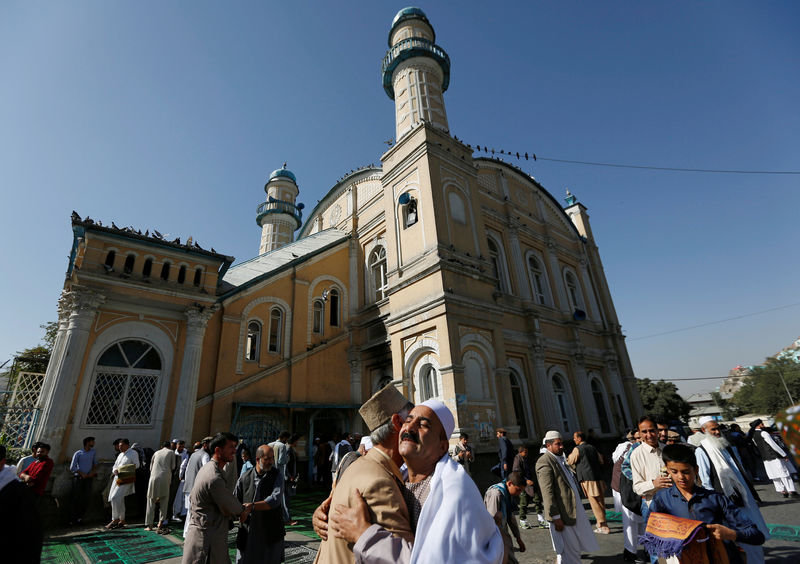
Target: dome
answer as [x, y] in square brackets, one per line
[409, 13]
[282, 173]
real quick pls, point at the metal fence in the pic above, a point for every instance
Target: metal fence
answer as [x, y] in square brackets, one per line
[19, 414]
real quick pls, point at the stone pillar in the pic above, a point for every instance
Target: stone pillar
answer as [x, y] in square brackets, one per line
[616, 388]
[555, 270]
[549, 415]
[183, 418]
[518, 265]
[82, 304]
[585, 398]
[355, 379]
[589, 291]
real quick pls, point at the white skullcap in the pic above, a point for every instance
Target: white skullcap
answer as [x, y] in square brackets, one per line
[443, 413]
[366, 441]
[705, 419]
[550, 435]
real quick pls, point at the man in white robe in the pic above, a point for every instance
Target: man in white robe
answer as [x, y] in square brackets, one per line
[570, 530]
[448, 516]
[162, 465]
[776, 460]
[179, 505]
[719, 470]
[118, 492]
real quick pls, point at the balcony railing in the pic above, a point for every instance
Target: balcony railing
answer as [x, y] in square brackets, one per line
[413, 47]
[278, 206]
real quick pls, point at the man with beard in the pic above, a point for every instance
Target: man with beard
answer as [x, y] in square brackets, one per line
[720, 470]
[776, 461]
[260, 537]
[448, 517]
[38, 473]
[570, 530]
[212, 506]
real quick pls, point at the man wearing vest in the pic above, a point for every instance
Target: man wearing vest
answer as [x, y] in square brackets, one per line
[587, 462]
[776, 461]
[498, 502]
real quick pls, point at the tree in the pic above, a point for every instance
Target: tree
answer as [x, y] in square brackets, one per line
[763, 391]
[730, 410]
[34, 359]
[661, 399]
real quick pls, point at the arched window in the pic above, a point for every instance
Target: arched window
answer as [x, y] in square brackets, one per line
[198, 274]
[600, 404]
[428, 383]
[253, 341]
[129, 261]
[498, 266]
[573, 291]
[147, 269]
[377, 269]
[518, 399]
[275, 330]
[125, 382]
[474, 376]
[110, 260]
[538, 281]
[563, 402]
[165, 271]
[333, 300]
[182, 274]
[319, 317]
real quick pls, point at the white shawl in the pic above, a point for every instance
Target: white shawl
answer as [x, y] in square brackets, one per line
[727, 477]
[454, 525]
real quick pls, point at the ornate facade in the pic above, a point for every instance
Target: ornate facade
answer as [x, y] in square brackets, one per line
[452, 276]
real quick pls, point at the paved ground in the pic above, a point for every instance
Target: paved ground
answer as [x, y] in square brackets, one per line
[134, 546]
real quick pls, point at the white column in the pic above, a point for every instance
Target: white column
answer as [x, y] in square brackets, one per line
[82, 304]
[183, 419]
[56, 355]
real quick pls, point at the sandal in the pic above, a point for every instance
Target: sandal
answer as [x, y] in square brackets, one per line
[112, 525]
[164, 530]
[120, 525]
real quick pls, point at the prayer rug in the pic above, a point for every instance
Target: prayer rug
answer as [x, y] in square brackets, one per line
[60, 552]
[127, 546]
[685, 539]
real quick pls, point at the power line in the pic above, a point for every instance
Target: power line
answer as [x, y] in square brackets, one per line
[687, 379]
[535, 157]
[671, 169]
[690, 327]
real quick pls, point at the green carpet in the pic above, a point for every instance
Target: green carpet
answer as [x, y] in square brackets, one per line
[56, 552]
[127, 546]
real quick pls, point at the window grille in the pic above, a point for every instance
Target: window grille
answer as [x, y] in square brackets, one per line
[125, 383]
[537, 281]
[377, 269]
[319, 316]
[275, 329]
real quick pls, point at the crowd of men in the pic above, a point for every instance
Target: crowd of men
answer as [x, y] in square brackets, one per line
[402, 494]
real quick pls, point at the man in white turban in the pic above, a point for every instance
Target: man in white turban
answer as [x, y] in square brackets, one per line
[448, 517]
[570, 530]
[721, 471]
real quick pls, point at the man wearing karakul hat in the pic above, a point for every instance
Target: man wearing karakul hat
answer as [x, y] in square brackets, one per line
[448, 517]
[570, 530]
[376, 475]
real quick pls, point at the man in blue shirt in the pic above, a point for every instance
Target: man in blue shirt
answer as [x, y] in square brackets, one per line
[83, 468]
[724, 520]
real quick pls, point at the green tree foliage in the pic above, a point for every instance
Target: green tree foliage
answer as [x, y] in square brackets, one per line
[764, 392]
[730, 410]
[661, 399]
[31, 360]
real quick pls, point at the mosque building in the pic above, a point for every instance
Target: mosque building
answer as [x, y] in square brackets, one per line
[449, 275]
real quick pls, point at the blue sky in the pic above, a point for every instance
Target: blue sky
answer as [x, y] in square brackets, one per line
[170, 115]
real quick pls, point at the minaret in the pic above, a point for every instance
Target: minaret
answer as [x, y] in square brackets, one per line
[279, 217]
[416, 72]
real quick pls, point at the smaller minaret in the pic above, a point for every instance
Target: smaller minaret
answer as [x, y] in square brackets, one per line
[416, 72]
[279, 217]
[577, 213]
